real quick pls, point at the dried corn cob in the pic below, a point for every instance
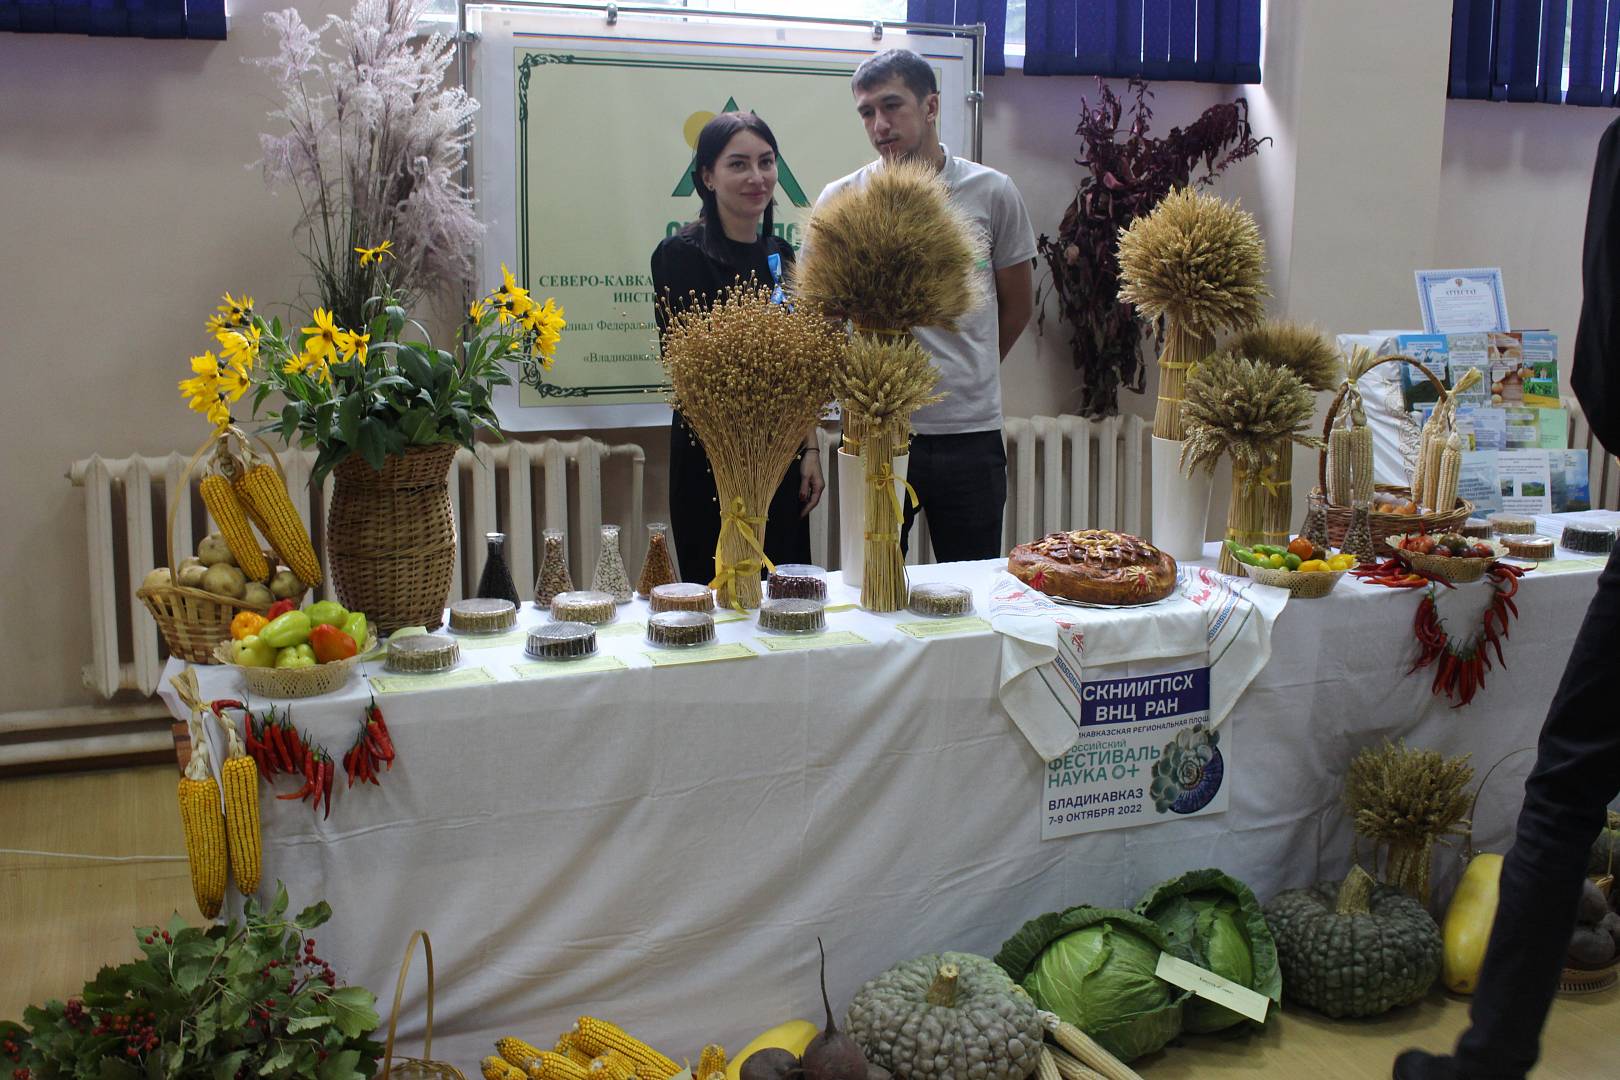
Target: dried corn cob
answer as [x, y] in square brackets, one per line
[612, 1066]
[549, 1066]
[568, 1046]
[1069, 1067]
[712, 1060]
[229, 515]
[239, 776]
[1085, 1049]
[204, 824]
[515, 1051]
[1448, 475]
[262, 491]
[1045, 1067]
[498, 1068]
[601, 1036]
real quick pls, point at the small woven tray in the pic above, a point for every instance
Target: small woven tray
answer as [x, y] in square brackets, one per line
[295, 682]
[1579, 981]
[1310, 585]
[1446, 568]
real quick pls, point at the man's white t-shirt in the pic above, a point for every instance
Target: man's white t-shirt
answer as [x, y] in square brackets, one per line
[969, 360]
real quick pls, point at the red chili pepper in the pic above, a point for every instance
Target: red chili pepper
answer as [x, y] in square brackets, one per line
[326, 785]
[379, 743]
[218, 707]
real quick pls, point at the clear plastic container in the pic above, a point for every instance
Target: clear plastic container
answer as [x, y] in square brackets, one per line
[482, 616]
[561, 641]
[941, 599]
[681, 596]
[797, 581]
[1528, 546]
[423, 653]
[680, 629]
[610, 576]
[587, 606]
[1590, 539]
[1511, 525]
[792, 615]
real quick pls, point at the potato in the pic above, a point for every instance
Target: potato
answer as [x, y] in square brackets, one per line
[257, 595]
[189, 560]
[214, 550]
[192, 576]
[285, 585]
[158, 578]
[223, 580]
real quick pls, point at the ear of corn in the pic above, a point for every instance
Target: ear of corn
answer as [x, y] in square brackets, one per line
[204, 825]
[262, 491]
[227, 512]
[549, 1066]
[1449, 475]
[1045, 1067]
[1069, 1067]
[601, 1036]
[612, 1066]
[498, 1068]
[240, 778]
[712, 1060]
[1086, 1050]
[568, 1046]
[517, 1052]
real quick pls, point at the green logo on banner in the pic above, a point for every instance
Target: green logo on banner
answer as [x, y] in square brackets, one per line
[784, 175]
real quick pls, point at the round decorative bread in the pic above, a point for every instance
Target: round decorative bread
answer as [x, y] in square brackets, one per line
[1095, 567]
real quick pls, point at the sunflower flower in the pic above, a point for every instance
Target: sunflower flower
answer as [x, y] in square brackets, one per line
[477, 310]
[352, 345]
[544, 323]
[314, 364]
[511, 300]
[369, 255]
[241, 346]
[234, 312]
[210, 391]
[320, 341]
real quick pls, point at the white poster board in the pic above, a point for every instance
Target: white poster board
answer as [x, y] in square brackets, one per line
[583, 155]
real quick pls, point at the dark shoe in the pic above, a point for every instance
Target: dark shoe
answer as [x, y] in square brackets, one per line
[1422, 1065]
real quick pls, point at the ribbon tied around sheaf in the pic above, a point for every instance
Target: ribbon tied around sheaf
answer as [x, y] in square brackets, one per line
[1247, 479]
[883, 479]
[736, 518]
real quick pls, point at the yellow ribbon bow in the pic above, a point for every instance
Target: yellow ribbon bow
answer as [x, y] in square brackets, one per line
[884, 480]
[737, 518]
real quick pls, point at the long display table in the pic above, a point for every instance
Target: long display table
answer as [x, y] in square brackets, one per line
[662, 845]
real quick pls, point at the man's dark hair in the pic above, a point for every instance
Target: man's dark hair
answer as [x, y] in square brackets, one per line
[902, 64]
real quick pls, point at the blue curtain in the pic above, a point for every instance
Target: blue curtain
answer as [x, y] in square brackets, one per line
[1186, 40]
[204, 19]
[1513, 50]
[993, 13]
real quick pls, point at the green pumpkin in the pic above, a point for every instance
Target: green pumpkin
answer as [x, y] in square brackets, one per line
[947, 1016]
[1354, 950]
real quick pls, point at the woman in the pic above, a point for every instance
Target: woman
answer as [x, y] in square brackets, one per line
[735, 175]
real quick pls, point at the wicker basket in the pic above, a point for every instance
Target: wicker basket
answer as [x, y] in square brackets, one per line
[191, 620]
[1384, 525]
[1447, 568]
[1305, 586]
[423, 1066]
[295, 682]
[391, 537]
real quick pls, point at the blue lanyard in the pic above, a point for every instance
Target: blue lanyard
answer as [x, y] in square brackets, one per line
[774, 261]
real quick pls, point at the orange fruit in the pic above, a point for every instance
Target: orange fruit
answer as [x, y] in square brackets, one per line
[1301, 547]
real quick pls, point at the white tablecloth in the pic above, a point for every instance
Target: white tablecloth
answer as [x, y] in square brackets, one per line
[662, 846]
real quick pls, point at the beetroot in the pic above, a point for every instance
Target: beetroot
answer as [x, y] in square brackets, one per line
[771, 1063]
[832, 1055]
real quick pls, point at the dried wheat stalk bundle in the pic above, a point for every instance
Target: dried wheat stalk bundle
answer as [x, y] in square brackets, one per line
[749, 377]
[1299, 348]
[892, 253]
[1198, 263]
[1405, 801]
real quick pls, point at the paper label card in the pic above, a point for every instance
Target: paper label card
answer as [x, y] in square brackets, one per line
[547, 669]
[1212, 987]
[931, 628]
[1462, 301]
[700, 654]
[437, 680]
[832, 639]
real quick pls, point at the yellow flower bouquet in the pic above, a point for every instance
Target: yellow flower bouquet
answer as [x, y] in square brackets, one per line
[372, 390]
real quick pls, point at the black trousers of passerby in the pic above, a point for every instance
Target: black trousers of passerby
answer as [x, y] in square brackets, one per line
[1576, 776]
[961, 484]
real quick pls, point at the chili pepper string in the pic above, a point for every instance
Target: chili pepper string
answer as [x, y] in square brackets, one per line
[1460, 666]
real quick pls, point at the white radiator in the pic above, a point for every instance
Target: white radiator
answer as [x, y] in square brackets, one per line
[1067, 472]
[518, 488]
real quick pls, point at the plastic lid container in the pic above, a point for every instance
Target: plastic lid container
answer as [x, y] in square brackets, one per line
[797, 581]
[483, 615]
[680, 629]
[561, 641]
[941, 599]
[792, 615]
[681, 596]
[584, 605]
[423, 653]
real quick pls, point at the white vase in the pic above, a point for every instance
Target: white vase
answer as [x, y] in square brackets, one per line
[852, 512]
[1180, 503]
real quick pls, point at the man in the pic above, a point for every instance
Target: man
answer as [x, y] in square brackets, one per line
[1577, 770]
[958, 465]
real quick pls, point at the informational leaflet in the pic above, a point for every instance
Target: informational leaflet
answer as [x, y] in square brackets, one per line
[1145, 753]
[1526, 481]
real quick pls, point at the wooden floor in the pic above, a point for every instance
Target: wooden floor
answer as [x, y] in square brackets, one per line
[65, 918]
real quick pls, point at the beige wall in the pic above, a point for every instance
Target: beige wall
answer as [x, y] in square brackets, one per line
[128, 207]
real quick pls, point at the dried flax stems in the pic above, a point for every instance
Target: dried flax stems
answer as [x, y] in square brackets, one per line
[749, 377]
[887, 255]
[1198, 263]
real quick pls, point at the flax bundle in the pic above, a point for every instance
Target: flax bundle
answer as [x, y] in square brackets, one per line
[1252, 412]
[1405, 801]
[750, 377]
[888, 255]
[1198, 263]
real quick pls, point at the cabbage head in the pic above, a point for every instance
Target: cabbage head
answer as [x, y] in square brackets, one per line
[1094, 968]
[1213, 920]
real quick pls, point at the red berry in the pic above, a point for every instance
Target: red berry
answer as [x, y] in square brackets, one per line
[149, 939]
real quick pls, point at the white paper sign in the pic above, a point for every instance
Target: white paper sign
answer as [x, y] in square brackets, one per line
[1145, 754]
[1212, 987]
[1462, 301]
[1526, 481]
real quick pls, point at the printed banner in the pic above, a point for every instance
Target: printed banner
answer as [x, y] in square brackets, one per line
[1145, 754]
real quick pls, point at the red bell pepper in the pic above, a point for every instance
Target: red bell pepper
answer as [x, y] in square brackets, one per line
[330, 643]
[278, 609]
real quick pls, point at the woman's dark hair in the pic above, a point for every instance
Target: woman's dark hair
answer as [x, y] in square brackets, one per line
[711, 143]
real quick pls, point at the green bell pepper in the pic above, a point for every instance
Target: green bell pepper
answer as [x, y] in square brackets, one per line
[253, 651]
[289, 629]
[355, 627]
[326, 613]
[295, 656]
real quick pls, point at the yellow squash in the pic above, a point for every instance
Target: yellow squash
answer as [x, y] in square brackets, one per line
[1467, 929]
[792, 1036]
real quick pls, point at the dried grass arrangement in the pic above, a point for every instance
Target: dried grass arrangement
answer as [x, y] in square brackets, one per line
[882, 381]
[891, 254]
[1253, 413]
[888, 255]
[1198, 263]
[749, 376]
[1299, 348]
[1405, 801]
